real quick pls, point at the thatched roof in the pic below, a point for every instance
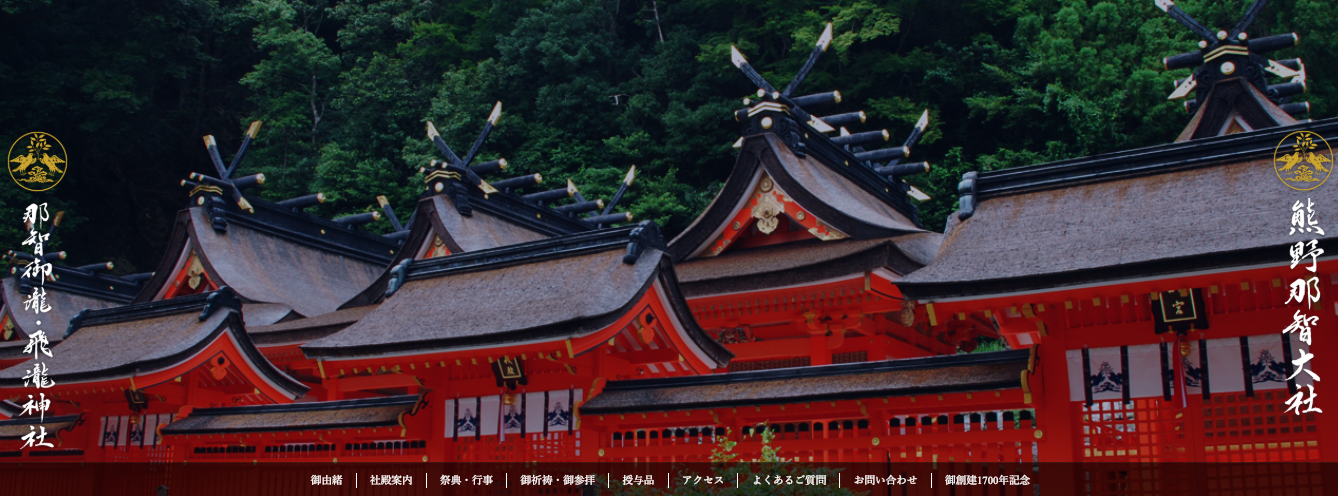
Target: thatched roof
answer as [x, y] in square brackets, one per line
[479, 231]
[298, 261]
[1199, 205]
[553, 289]
[135, 340]
[321, 415]
[934, 375]
[833, 193]
[483, 229]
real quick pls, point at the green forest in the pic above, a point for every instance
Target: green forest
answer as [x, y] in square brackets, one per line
[588, 88]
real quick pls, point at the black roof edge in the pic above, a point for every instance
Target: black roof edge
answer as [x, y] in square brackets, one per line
[644, 234]
[964, 359]
[511, 207]
[315, 406]
[32, 420]
[171, 431]
[1111, 275]
[10, 409]
[837, 158]
[820, 147]
[184, 304]
[317, 232]
[91, 284]
[1142, 161]
[679, 304]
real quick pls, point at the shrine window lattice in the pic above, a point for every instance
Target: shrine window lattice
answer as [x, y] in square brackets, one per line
[1251, 446]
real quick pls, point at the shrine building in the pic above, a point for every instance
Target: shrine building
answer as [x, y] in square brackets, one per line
[1140, 294]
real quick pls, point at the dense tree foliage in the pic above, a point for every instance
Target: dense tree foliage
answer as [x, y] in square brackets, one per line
[589, 87]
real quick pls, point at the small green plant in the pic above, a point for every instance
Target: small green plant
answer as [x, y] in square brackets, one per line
[985, 345]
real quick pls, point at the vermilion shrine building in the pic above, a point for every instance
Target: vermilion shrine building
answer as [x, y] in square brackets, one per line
[502, 323]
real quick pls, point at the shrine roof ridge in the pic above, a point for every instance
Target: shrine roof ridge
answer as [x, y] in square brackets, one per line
[314, 231]
[1150, 160]
[1102, 220]
[634, 237]
[510, 206]
[202, 302]
[839, 159]
[786, 115]
[98, 285]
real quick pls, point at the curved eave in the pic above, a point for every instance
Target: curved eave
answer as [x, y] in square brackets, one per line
[227, 337]
[702, 344]
[267, 264]
[797, 264]
[167, 264]
[660, 291]
[302, 331]
[765, 153]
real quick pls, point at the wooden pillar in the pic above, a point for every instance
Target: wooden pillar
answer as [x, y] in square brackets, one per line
[191, 387]
[438, 379]
[1058, 445]
[93, 422]
[1193, 411]
[332, 392]
[598, 366]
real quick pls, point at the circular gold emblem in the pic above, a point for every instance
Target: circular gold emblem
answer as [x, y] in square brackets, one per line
[1303, 160]
[37, 161]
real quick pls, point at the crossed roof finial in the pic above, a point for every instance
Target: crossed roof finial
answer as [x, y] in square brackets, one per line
[224, 182]
[455, 174]
[1232, 54]
[886, 162]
